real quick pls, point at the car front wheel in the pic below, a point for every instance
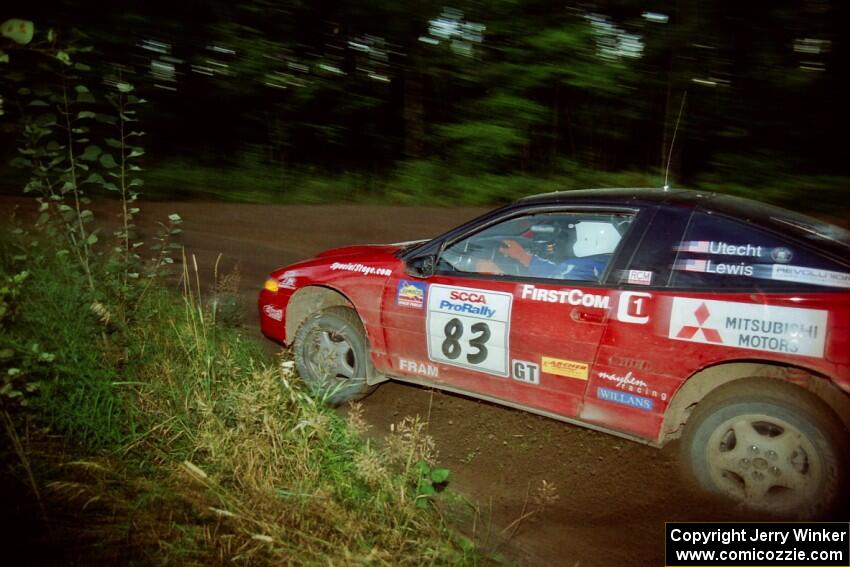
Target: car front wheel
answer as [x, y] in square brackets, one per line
[332, 355]
[770, 446]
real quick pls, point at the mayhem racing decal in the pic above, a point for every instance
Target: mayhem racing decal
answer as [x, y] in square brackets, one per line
[567, 368]
[469, 328]
[420, 368]
[624, 399]
[411, 294]
[568, 296]
[630, 383]
[361, 268]
[788, 330]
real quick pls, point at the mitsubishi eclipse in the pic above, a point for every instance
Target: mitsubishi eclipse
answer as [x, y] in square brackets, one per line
[648, 314]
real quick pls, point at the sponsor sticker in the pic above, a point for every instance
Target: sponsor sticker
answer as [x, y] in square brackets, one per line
[789, 330]
[639, 277]
[781, 254]
[361, 268]
[628, 362]
[411, 294]
[624, 399]
[273, 312]
[779, 272]
[567, 296]
[633, 307]
[469, 328]
[420, 368]
[813, 276]
[523, 371]
[287, 281]
[567, 368]
[630, 383]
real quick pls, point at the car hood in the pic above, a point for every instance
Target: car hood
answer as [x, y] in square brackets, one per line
[358, 250]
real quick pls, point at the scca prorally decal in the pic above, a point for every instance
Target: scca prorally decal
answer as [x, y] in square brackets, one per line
[788, 330]
[568, 296]
[360, 268]
[624, 399]
[469, 328]
[411, 294]
[420, 368]
[473, 303]
[273, 312]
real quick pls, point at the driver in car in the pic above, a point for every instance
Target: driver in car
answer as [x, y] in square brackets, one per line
[586, 269]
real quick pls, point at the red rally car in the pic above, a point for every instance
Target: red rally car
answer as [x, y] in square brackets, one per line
[648, 314]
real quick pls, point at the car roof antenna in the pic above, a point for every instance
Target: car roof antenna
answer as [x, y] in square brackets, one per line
[673, 141]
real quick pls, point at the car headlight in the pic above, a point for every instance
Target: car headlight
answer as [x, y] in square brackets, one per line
[271, 285]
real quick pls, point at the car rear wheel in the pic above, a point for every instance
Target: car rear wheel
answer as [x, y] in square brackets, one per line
[332, 355]
[770, 446]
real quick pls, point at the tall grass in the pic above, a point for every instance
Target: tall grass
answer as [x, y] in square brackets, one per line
[195, 449]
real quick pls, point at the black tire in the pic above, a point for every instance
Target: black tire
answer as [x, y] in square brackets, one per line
[770, 446]
[332, 355]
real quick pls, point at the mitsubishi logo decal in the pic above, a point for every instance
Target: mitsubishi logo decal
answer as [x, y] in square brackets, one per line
[689, 332]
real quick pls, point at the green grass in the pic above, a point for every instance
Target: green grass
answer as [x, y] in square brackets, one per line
[179, 437]
[435, 183]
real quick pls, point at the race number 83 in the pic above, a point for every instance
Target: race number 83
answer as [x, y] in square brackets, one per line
[454, 332]
[469, 328]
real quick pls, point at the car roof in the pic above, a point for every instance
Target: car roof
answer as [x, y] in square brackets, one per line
[832, 238]
[826, 237]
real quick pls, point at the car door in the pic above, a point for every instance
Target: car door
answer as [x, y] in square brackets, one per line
[703, 289]
[488, 325]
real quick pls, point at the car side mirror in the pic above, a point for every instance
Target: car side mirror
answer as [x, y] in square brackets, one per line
[422, 267]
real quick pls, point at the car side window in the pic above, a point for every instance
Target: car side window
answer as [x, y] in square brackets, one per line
[721, 253]
[559, 246]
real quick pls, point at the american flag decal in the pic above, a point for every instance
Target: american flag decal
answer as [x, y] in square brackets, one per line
[691, 265]
[693, 246]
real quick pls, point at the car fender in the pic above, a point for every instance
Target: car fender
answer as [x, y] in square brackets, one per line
[703, 382]
[313, 298]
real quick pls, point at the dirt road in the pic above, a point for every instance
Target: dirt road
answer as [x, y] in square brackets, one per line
[614, 495]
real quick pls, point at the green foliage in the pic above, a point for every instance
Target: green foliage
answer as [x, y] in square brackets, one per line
[428, 481]
[228, 433]
[19, 31]
[22, 363]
